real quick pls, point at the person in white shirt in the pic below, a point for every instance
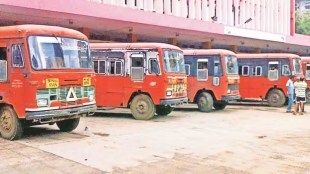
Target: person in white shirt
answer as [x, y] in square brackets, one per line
[300, 91]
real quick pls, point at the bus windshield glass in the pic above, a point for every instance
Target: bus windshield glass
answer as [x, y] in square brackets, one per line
[297, 66]
[49, 52]
[231, 64]
[174, 61]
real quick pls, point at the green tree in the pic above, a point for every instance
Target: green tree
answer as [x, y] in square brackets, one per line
[303, 23]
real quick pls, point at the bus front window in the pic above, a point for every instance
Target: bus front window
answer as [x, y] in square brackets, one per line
[49, 52]
[297, 66]
[231, 65]
[173, 61]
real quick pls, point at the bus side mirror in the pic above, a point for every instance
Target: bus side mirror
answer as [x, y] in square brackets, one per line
[3, 70]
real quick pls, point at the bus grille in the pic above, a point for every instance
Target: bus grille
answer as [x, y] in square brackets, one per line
[233, 87]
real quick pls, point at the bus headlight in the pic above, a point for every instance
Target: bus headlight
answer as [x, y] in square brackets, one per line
[169, 93]
[228, 91]
[42, 102]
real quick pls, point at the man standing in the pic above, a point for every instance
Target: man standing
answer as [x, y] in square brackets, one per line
[290, 92]
[300, 91]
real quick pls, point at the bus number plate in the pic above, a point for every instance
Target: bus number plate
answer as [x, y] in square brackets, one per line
[86, 81]
[52, 83]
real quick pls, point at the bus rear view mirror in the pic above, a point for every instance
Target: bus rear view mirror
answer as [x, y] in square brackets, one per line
[3, 70]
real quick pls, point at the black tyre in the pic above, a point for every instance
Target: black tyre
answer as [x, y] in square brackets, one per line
[205, 102]
[68, 125]
[308, 95]
[142, 107]
[11, 128]
[163, 110]
[276, 98]
[220, 105]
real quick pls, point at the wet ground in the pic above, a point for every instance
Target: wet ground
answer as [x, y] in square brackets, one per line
[239, 139]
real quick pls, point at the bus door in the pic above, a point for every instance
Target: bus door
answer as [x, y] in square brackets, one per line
[115, 79]
[3, 71]
[17, 73]
[273, 70]
[202, 70]
[137, 67]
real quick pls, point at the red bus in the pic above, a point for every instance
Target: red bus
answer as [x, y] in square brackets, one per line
[148, 78]
[45, 77]
[213, 78]
[264, 76]
[306, 71]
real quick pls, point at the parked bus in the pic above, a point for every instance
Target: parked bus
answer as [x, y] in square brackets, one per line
[213, 78]
[148, 78]
[45, 77]
[264, 76]
[306, 71]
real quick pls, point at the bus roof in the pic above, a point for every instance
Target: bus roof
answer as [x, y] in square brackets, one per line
[268, 56]
[207, 52]
[140, 45]
[305, 59]
[25, 30]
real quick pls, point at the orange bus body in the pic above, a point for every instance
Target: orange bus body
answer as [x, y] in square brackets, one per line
[119, 89]
[306, 71]
[35, 94]
[264, 76]
[221, 85]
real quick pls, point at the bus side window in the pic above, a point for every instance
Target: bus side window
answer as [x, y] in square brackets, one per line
[307, 72]
[100, 66]
[245, 70]
[258, 71]
[17, 56]
[217, 68]
[285, 70]
[188, 69]
[3, 64]
[202, 70]
[153, 66]
[115, 68]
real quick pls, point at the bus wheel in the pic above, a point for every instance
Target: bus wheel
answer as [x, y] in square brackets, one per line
[11, 127]
[220, 105]
[205, 102]
[142, 107]
[163, 110]
[276, 98]
[68, 125]
[308, 95]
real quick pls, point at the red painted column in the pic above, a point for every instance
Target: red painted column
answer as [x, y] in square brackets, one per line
[293, 17]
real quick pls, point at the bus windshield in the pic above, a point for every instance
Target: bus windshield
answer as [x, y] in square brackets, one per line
[297, 66]
[49, 52]
[174, 61]
[231, 64]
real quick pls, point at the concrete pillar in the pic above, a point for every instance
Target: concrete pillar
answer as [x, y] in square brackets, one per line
[18, 23]
[205, 10]
[85, 31]
[234, 48]
[159, 6]
[206, 45]
[172, 41]
[292, 21]
[198, 9]
[132, 37]
[258, 50]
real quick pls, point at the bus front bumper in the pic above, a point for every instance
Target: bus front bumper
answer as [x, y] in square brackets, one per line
[174, 102]
[59, 114]
[228, 98]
